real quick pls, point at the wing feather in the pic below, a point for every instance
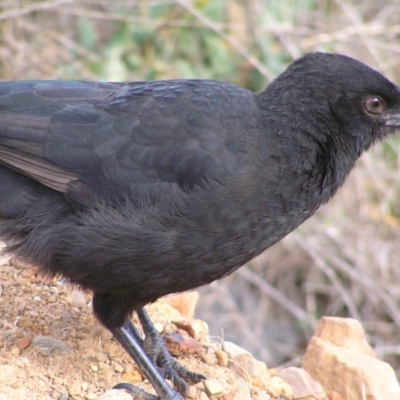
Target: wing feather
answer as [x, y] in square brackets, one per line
[118, 141]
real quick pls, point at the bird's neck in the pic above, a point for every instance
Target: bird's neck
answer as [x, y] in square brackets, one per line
[309, 142]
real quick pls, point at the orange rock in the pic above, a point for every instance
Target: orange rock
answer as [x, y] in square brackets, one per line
[24, 342]
[340, 359]
[179, 345]
[196, 328]
[344, 332]
[185, 303]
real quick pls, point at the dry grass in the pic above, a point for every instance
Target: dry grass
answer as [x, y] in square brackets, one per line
[341, 262]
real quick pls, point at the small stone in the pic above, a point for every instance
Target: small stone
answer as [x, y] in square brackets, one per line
[179, 345]
[24, 342]
[115, 394]
[233, 350]
[75, 389]
[277, 387]
[64, 396]
[260, 395]
[169, 328]
[15, 351]
[241, 392]
[209, 358]
[222, 358]
[182, 332]
[25, 322]
[51, 299]
[20, 333]
[213, 387]
[53, 394]
[101, 357]
[94, 368]
[334, 396]
[50, 374]
[17, 263]
[117, 367]
[159, 327]
[77, 299]
[203, 396]
[196, 328]
[84, 386]
[103, 366]
[192, 392]
[32, 313]
[302, 384]
[133, 376]
[91, 396]
[46, 345]
[54, 289]
[244, 364]
[58, 381]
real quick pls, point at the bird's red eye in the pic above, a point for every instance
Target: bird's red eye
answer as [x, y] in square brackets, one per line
[373, 105]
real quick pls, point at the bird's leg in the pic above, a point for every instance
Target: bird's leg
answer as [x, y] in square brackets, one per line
[130, 339]
[155, 348]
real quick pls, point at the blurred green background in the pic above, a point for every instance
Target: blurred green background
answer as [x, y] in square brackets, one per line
[344, 261]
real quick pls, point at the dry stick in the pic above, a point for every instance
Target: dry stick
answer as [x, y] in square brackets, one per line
[371, 29]
[44, 379]
[18, 12]
[180, 23]
[205, 23]
[355, 20]
[382, 351]
[65, 41]
[102, 15]
[388, 295]
[384, 45]
[229, 301]
[358, 276]
[276, 295]
[320, 262]
[236, 45]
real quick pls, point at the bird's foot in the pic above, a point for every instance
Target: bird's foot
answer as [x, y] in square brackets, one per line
[168, 367]
[154, 360]
[130, 339]
[158, 353]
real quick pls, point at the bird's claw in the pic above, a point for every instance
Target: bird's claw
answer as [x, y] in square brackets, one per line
[168, 367]
[139, 394]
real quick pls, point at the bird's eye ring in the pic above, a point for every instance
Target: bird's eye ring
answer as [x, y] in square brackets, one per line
[373, 105]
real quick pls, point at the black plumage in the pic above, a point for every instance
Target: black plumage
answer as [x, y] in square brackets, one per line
[137, 190]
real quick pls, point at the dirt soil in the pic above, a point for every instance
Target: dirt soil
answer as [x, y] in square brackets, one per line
[51, 346]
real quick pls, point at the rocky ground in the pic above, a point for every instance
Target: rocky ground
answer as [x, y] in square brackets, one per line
[53, 348]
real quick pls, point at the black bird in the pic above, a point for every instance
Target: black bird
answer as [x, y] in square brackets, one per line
[137, 190]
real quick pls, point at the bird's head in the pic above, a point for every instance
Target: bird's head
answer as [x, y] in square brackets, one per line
[342, 93]
[332, 108]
